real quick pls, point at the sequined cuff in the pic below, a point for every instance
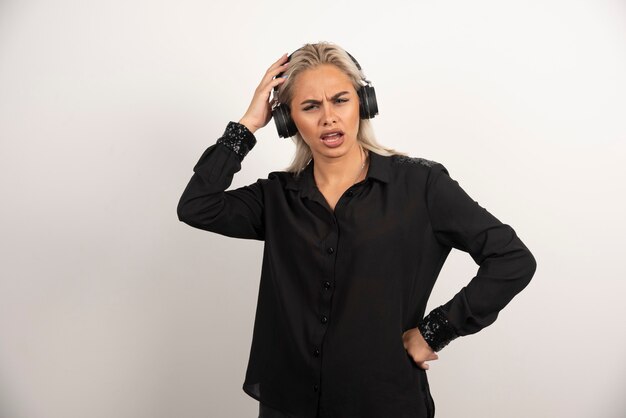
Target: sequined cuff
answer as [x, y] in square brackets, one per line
[436, 329]
[238, 138]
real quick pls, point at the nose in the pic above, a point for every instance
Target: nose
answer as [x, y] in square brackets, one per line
[328, 116]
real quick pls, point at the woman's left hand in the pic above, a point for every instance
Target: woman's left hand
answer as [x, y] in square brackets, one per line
[418, 348]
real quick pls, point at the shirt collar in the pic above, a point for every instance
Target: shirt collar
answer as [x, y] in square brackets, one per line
[378, 169]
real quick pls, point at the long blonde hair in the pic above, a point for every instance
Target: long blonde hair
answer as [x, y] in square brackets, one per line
[310, 56]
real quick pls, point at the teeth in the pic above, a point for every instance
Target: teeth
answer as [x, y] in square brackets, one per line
[329, 135]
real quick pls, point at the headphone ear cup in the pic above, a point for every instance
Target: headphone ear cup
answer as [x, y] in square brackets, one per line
[368, 106]
[284, 124]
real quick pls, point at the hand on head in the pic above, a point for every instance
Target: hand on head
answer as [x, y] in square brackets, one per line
[259, 112]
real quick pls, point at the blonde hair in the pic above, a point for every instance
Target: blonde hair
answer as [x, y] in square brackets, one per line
[310, 56]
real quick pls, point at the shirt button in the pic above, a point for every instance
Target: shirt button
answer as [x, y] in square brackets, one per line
[324, 319]
[350, 193]
[315, 387]
[327, 284]
[330, 250]
[316, 352]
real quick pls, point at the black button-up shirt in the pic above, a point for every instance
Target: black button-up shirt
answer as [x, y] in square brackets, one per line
[338, 288]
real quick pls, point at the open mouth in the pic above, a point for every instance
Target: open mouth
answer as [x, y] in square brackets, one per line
[330, 137]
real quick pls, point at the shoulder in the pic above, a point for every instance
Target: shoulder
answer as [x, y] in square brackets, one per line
[420, 166]
[416, 170]
[279, 176]
[280, 179]
[398, 159]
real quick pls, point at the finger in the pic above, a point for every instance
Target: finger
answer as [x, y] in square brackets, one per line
[267, 88]
[268, 82]
[423, 365]
[271, 73]
[279, 65]
[279, 60]
[431, 358]
[276, 63]
[282, 57]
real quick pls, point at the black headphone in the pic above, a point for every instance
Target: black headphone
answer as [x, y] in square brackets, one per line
[368, 107]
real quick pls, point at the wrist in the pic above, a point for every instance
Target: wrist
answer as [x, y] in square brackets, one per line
[238, 138]
[437, 330]
[248, 125]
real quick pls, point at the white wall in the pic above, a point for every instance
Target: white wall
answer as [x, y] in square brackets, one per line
[111, 307]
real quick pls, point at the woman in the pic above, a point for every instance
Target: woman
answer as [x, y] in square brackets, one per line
[355, 236]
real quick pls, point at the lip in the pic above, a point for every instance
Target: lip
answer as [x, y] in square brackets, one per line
[338, 131]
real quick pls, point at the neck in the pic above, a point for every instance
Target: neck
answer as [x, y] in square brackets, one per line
[338, 171]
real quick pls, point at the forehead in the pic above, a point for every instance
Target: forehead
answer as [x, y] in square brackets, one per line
[325, 79]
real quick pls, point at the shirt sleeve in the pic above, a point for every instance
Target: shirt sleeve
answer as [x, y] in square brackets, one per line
[205, 203]
[506, 264]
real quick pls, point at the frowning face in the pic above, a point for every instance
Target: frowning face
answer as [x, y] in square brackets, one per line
[325, 101]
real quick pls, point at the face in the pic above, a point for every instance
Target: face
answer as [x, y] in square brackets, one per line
[325, 100]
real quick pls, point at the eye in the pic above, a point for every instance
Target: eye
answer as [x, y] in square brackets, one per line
[338, 100]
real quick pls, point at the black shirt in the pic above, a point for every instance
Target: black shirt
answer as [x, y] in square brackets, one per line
[338, 288]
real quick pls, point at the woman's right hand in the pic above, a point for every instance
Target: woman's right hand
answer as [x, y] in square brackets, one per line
[259, 112]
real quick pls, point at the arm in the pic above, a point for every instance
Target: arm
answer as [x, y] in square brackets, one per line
[206, 205]
[236, 213]
[506, 264]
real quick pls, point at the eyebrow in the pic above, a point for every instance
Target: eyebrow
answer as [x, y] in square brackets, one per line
[341, 93]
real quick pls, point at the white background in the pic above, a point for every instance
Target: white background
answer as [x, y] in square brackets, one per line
[111, 307]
